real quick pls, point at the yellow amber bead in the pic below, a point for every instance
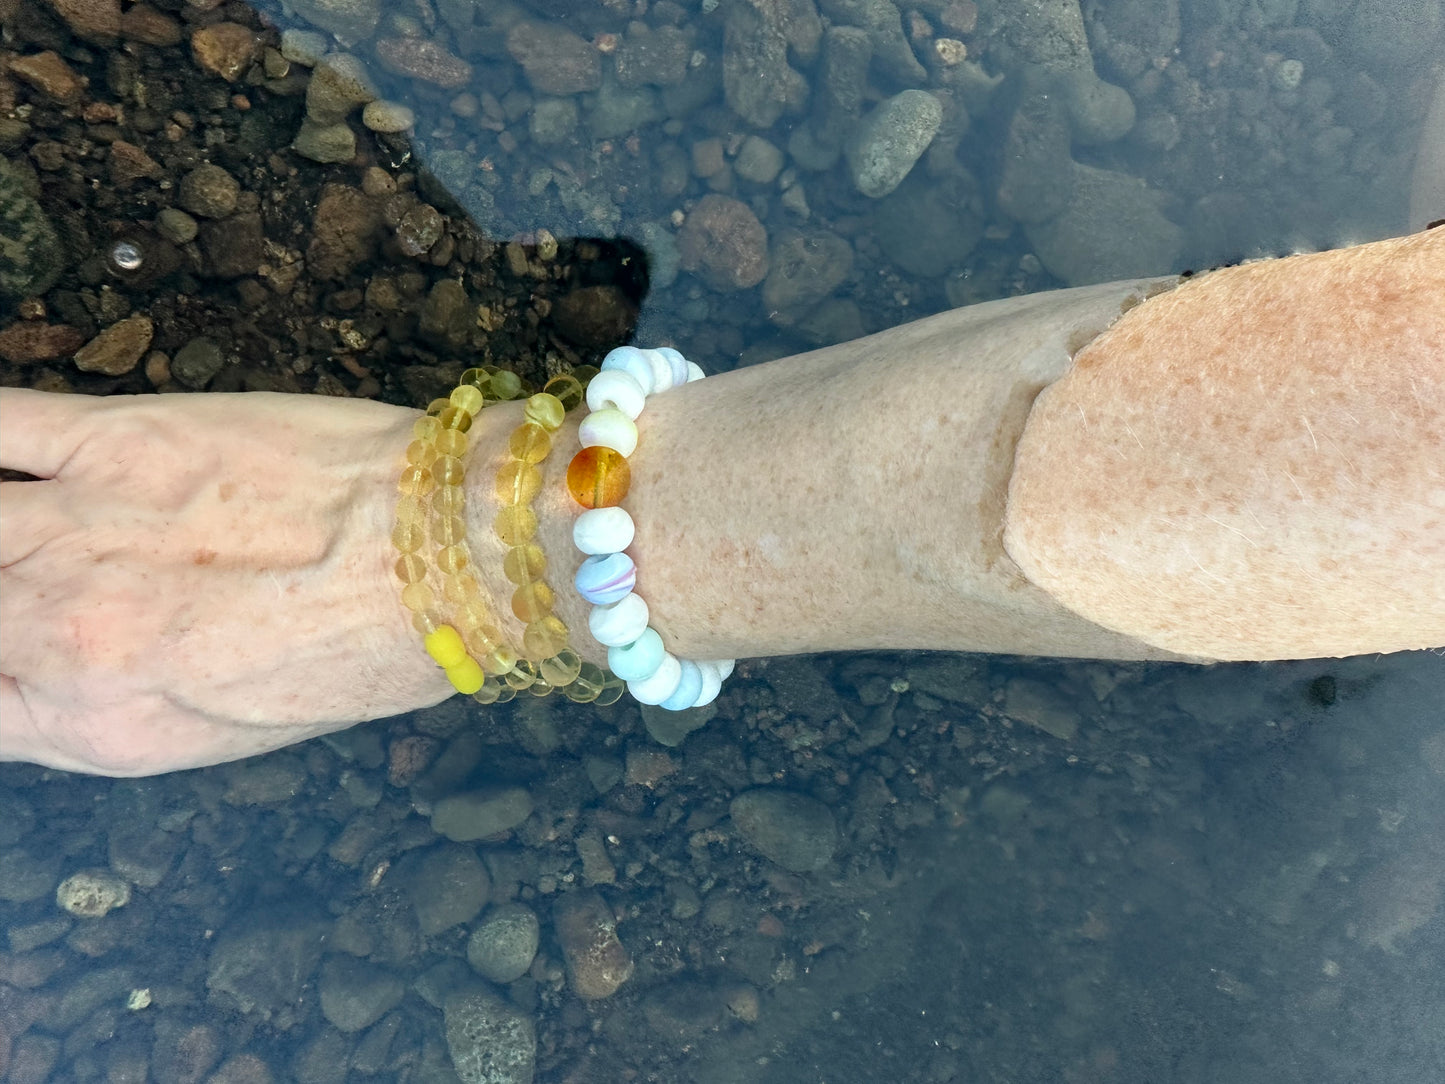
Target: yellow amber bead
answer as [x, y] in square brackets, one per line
[463, 587]
[452, 559]
[588, 683]
[445, 646]
[523, 564]
[532, 602]
[415, 481]
[477, 378]
[567, 389]
[448, 470]
[598, 477]
[449, 501]
[488, 693]
[483, 639]
[425, 428]
[506, 385]
[452, 442]
[546, 410]
[426, 622]
[543, 638]
[611, 692]
[466, 676]
[420, 453]
[468, 398]
[500, 660]
[447, 530]
[515, 525]
[408, 537]
[585, 373]
[562, 668]
[453, 417]
[522, 676]
[436, 406]
[410, 568]
[518, 483]
[417, 596]
[410, 509]
[530, 443]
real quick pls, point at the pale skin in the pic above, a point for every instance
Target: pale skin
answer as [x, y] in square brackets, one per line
[202, 578]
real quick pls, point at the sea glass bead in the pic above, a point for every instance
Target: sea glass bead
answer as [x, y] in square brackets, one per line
[688, 688]
[694, 372]
[543, 638]
[467, 397]
[605, 577]
[639, 659]
[659, 685]
[515, 525]
[567, 388]
[530, 443]
[546, 410]
[603, 530]
[598, 477]
[532, 602]
[712, 679]
[608, 428]
[518, 483]
[662, 371]
[616, 389]
[523, 564]
[630, 360]
[618, 623]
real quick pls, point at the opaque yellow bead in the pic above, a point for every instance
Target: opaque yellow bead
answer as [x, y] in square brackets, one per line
[543, 638]
[465, 397]
[515, 525]
[598, 477]
[567, 389]
[445, 646]
[545, 410]
[530, 443]
[410, 568]
[523, 564]
[518, 483]
[466, 676]
[532, 602]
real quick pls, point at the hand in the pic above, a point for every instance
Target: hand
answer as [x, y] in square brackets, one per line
[198, 578]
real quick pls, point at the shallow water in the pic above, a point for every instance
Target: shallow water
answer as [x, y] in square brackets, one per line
[1042, 870]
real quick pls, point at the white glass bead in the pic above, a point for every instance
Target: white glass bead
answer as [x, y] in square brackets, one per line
[619, 623]
[711, 684]
[661, 685]
[609, 429]
[687, 689]
[678, 363]
[629, 359]
[694, 372]
[605, 578]
[661, 370]
[639, 659]
[618, 390]
[603, 530]
[724, 666]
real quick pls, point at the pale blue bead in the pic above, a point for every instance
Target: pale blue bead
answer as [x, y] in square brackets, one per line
[661, 685]
[605, 578]
[639, 659]
[603, 530]
[711, 684]
[632, 361]
[678, 363]
[694, 372]
[687, 690]
[620, 622]
[661, 370]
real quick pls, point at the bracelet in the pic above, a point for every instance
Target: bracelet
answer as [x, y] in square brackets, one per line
[598, 478]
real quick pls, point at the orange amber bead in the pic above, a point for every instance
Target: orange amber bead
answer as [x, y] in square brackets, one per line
[598, 477]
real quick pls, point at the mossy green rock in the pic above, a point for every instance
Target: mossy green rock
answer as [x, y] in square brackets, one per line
[31, 258]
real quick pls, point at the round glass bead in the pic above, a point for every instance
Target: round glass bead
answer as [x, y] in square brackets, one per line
[562, 668]
[449, 501]
[532, 602]
[468, 398]
[453, 417]
[463, 587]
[452, 442]
[436, 406]
[453, 559]
[483, 640]
[410, 568]
[525, 563]
[426, 427]
[420, 453]
[473, 619]
[518, 483]
[500, 660]
[416, 596]
[515, 525]
[544, 638]
[545, 410]
[598, 477]
[448, 470]
[530, 443]
[447, 530]
[505, 384]
[408, 537]
[415, 480]
[410, 509]
[477, 378]
[522, 675]
[567, 388]
[612, 689]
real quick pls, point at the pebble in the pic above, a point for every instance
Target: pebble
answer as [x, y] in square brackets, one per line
[196, 363]
[422, 59]
[305, 47]
[339, 84]
[31, 256]
[805, 268]
[208, 191]
[355, 994]
[176, 226]
[1041, 705]
[793, 830]
[91, 893]
[448, 886]
[118, 349]
[490, 1040]
[481, 814]
[669, 728]
[890, 139]
[504, 943]
[326, 143]
[384, 116]
[234, 246]
[225, 50]
[50, 75]
[30, 341]
[758, 161]
[555, 60]
[128, 163]
[148, 26]
[723, 241]
[97, 21]
[597, 962]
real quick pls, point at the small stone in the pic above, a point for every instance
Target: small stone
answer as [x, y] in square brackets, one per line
[481, 814]
[305, 47]
[50, 75]
[422, 59]
[504, 943]
[197, 362]
[176, 226]
[448, 886]
[225, 50]
[725, 243]
[127, 164]
[555, 60]
[92, 893]
[97, 21]
[148, 26]
[385, 116]
[891, 139]
[326, 143]
[355, 994]
[30, 341]
[758, 161]
[597, 962]
[118, 349]
[490, 1041]
[209, 191]
[233, 247]
[793, 830]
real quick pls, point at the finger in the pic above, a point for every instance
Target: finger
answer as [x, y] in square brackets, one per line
[40, 430]
[29, 519]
